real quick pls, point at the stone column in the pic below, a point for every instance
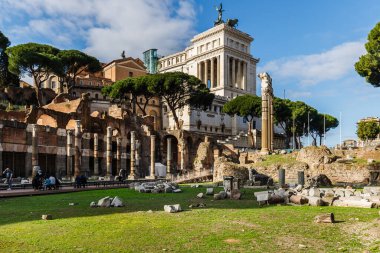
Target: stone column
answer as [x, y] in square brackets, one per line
[271, 124]
[109, 152]
[244, 82]
[118, 154]
[77, 145]
[218, 71]
[264, 125]
[69, 154]
[152, 156]
[233, 80]
[96, 154]
[169, 157]
[238, 76]
[227, 71]
[133, 174]
[212, 73]
[34, 146]
[199, 71]
[205, 72]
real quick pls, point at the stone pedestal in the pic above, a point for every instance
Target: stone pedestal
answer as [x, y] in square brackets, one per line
[267, 125]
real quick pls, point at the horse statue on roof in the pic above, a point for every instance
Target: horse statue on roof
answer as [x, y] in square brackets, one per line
[232, 22]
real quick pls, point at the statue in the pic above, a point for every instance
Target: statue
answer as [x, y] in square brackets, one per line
[220, 14]
[123, 54]
[232, 22]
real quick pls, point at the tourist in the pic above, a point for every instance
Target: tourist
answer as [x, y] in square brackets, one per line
[122, 175]
[52, 181]
[8, 175]
[47, 184]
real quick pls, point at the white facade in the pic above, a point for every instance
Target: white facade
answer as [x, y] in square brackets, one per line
[221, 58]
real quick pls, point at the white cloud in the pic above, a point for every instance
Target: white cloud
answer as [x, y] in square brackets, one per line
[105, 28]
[311, 69]
[298, 94]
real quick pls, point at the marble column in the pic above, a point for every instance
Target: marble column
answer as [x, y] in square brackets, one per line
[206, 73]
[271, 124]
[118, 154]
[69, 154]
[264, 125]
[109, 151]
[199, 74]
[233, 74]
[244, 82]
[133, 174]
[152, 156]
[238, 76]
[212, 73]
[169, 157]
[34, 146]
[218, 71]
[77, 144]
[96, 154]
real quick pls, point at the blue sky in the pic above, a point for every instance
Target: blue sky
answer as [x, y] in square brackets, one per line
[309, 47]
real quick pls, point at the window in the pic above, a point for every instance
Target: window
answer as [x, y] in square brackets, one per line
[154, 102]
[53, 86]
[232, 95]
[96, 96]
[210, 129]
[141, 100]
[216, 130]
[215, 109]
[205, 128]
[104, 97]
[90, 83]
[165, 108]
[130, 74]
[74, 94]
[81, 82]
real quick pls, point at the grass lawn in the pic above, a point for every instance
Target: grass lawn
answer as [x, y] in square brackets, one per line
[223, 226]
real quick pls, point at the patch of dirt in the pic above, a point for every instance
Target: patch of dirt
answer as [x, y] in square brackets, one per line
[232, 241]
[244, 223]
[367, 232]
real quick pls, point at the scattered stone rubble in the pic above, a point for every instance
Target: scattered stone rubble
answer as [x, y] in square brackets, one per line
[368, 198]
[108, 202]
[172, 208]
[155, 187]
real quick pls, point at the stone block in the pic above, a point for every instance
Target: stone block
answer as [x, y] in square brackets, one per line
[104, 202]
[209, 191]
[47, 217]
[117, 202]
[200, 195]
[172, 208]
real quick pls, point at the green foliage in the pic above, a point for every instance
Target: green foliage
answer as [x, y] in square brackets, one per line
[6, 77]
[320, 123]
[368, 65]
[368, 130]
[70, 63]
[246, 106]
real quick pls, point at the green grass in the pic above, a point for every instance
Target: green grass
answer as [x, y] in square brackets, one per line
[277, 159]
[223, 226]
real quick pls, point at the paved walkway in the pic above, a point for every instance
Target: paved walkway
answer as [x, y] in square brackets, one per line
[64, 189]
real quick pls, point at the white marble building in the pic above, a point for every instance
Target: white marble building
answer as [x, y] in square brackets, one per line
[221, 58]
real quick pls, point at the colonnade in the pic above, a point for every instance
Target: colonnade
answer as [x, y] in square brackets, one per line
[235, 72]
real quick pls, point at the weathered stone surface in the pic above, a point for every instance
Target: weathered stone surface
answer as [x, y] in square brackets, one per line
[298, 199]
[354, 203]
[222, 167]
[235, 194]
[205, 158]
[314, 155]
[117, 202]
[325, 218]
[172, 208]
[314, 192]
[209, 191]
[316, 201]
[93, 204]
[47, 217]
[200, 195]
[177, 190]
[104, 202]
[275, 199]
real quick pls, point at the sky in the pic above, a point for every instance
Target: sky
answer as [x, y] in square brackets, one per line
[308, 47]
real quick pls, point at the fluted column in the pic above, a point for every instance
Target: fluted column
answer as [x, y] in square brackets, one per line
[244, 75]
[218, 71]
[169, 157]
[238, 75]
[133, 174]
[199, 74]
[271, 126]
[206, 73]
[212, 73]
[109, 152]
[152, 156]
[118, 154]
[69, 154]
[233, 74]
[77, 144]
[96, 154]
[34, 145]
[264, 127]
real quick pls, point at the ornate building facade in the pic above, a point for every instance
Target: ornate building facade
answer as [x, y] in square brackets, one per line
[221, 58]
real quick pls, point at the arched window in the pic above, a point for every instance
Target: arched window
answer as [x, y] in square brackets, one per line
[96, 96]
[74, 94]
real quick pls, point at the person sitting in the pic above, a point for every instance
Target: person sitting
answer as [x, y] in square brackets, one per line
[83, 181]
[47, 184]
[52, 181]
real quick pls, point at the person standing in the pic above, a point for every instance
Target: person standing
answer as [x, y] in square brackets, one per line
[8, 175]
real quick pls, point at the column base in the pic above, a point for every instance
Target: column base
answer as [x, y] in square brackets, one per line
[169, 175]
[133, 176]
[264, 151]
[151, 177]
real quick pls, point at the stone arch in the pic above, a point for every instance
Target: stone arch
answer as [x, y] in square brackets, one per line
[47, 120]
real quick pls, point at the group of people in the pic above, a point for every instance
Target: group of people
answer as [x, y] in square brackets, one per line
[40, 182]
